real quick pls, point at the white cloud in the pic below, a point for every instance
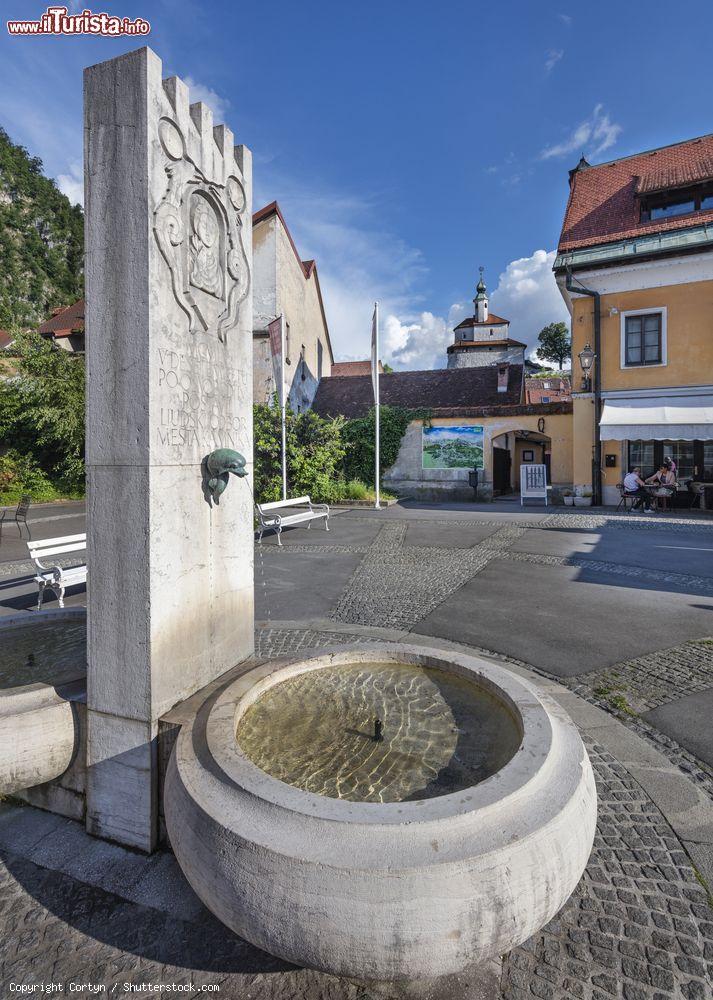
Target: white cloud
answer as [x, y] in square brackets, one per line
[565, 19]
[420, 342]
[553, 57]
[198, 92]
[72, 184]
[591, 137]
[528, 296]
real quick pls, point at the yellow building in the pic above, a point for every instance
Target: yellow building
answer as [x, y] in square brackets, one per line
[635, 267]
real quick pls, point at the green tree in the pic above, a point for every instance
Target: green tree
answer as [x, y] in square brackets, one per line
[315, 454]
[359, 437]
[42, 410]
[555, 343]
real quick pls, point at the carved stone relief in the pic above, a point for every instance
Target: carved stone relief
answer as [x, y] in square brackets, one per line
[198, 226]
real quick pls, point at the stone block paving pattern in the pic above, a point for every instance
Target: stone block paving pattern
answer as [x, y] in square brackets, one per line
[652, 680]
[700, 584]
[395, 586]
[271, 642]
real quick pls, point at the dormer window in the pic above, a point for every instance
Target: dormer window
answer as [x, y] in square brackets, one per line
[683, 201]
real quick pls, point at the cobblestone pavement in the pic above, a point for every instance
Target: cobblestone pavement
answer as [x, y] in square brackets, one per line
[699, 584]
[575, 522]
[633, 687]
[395, 586]
[271, 642]
[649, 681]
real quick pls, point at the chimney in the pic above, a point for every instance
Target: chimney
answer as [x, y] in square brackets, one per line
[503, 372]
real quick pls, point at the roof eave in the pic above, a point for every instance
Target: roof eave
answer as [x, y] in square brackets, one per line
[667, 243]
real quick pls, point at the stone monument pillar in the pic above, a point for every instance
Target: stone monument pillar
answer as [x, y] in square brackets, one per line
[169, 380]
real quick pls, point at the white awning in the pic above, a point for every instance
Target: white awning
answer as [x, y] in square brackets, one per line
[661, 418]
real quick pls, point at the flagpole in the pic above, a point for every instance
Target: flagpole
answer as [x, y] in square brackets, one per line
[377, 504]
[283, 417]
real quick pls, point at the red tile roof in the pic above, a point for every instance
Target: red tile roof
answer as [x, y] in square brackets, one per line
[5, 339]
[444, 388]
[508, 342]
[492, 320]
[353, 368]
[535, 390]
[65, 321]
[603, 206]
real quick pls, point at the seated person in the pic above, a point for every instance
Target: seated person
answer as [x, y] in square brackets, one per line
[634, 486]
[665, 480]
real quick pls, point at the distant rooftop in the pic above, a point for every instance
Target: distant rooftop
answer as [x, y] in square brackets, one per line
[64, 321]
[340, 368]
[506, 342]
[444, 388]
[492, 320]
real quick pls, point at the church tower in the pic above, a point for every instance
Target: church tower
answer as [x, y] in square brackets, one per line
[481, 300]
[484, 338]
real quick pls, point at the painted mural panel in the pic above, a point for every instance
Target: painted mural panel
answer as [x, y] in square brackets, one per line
[452, 447]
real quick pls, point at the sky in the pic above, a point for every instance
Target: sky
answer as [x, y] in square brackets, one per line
[408, 143]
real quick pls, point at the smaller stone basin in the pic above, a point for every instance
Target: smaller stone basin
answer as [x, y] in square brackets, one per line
[447, 843]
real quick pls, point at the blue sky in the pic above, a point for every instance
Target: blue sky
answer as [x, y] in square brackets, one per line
[407, 143]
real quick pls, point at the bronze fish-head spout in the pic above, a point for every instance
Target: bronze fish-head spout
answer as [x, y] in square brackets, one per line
[219, 464]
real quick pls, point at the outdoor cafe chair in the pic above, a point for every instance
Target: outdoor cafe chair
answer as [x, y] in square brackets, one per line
[19, 517]
[626, 500]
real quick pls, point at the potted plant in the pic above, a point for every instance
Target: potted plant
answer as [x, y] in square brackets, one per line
[568, 497]
[584, 499]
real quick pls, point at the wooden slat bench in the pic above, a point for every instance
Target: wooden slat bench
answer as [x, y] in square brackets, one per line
[270, 516]
[57, 578]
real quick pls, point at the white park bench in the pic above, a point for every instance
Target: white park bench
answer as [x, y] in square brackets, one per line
[270, 516]
[57, 578]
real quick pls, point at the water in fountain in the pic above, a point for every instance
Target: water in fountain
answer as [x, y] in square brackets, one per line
[441, 733]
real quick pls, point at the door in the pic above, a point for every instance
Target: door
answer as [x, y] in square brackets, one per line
[501, 470]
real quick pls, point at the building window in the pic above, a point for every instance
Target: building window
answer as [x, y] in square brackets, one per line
[668, 204]
[707, 449]
[643, 338]
[682, 454]
[545, 399]
[320, 355]
[641, 455]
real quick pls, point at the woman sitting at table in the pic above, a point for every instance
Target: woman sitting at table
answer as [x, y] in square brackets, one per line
[665, 481]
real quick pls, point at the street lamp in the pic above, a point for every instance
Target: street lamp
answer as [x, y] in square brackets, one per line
[586, 360]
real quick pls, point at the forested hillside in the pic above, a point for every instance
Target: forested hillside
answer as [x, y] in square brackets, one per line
[41, 241]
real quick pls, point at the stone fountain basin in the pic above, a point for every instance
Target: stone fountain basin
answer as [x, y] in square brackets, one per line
[39, 730]
[383, 891]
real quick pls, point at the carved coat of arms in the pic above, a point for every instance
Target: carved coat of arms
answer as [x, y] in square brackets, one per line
[198, 226]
